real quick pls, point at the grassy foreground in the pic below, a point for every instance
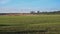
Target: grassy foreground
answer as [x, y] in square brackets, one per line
[51, 23]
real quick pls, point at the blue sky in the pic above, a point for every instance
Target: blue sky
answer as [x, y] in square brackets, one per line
[16, 6]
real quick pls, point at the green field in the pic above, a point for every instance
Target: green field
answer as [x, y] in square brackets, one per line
[51, 23]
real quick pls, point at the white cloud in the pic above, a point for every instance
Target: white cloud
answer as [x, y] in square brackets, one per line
[4, 1]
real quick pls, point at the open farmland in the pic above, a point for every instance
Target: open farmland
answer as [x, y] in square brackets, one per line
[49, 23]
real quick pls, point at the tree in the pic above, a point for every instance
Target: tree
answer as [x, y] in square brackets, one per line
[32, 12]
[38, 12]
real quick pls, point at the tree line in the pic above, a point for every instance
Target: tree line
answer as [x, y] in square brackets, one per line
[34, 12]
[38, 12]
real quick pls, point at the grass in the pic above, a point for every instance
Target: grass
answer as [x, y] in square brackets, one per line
[21, 23]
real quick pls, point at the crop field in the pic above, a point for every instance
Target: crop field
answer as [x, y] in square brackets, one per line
[49, 23]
